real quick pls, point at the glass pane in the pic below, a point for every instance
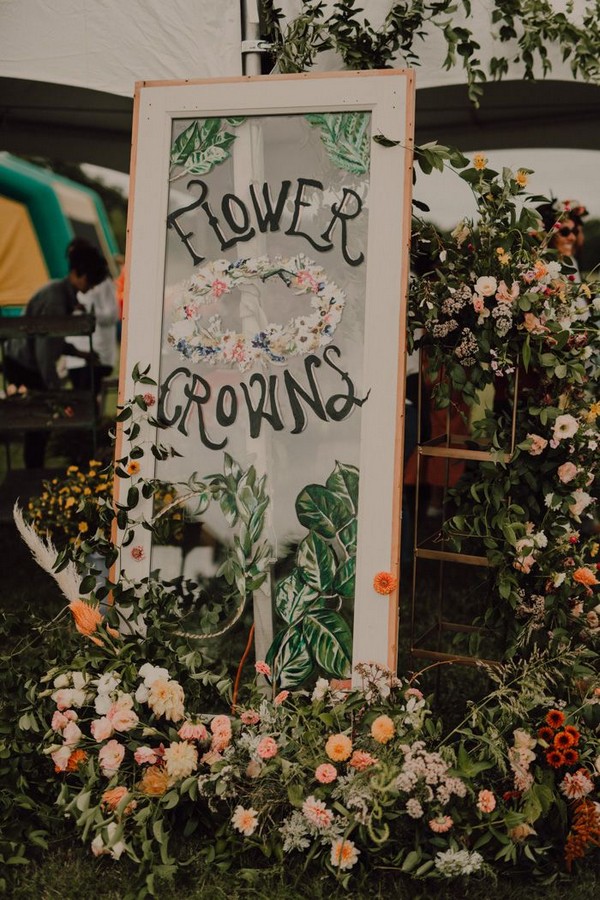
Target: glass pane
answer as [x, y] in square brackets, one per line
[261, 381]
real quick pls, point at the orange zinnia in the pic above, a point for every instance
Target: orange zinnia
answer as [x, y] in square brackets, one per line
[585, 576]
[546, 734]
[76, 759]
[570, 729]
[385, 583]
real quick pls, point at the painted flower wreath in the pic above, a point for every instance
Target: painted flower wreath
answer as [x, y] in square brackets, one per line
[199, 341]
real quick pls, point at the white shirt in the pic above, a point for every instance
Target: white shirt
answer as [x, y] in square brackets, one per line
[102, 301]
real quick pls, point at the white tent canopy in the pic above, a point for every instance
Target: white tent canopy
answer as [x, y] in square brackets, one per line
[68, 68]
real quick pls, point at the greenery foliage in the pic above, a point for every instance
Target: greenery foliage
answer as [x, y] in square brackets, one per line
[529, 27]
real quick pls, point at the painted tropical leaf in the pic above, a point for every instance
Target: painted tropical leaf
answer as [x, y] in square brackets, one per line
[330, 641]
[347, 536]
[344, 580]
[320, 510]
[294, 597]
[316, 562]
[203, 145]
[346, 139]
[343, 481]
[289, 658]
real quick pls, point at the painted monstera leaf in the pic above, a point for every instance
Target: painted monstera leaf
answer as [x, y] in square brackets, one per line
[203, 145]
[330, 641]
[346, 139]
[289, 658]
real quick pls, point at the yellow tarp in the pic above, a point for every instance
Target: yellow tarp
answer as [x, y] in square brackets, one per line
[22, 266]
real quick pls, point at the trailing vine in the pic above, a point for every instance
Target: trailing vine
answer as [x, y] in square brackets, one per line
[534, 25]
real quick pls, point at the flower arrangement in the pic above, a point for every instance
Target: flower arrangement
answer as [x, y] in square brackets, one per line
[498, 307]
[343, 779]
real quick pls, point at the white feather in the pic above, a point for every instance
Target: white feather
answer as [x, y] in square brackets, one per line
[44, 553]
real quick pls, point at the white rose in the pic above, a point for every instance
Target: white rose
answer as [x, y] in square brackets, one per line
[62, 681]
[486, 285]
[79, 680]
[142, 694]
[78, 698]
[151, 673]
[102, 704]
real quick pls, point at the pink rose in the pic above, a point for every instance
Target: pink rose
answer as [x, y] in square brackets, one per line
[250, 717]
[123, 719]
[59, 721]
[567, 472]
[72, 734]
[267, 748]
[61, 757]
[101, 729]
[145, 756]
[110, 757]
[63, 698]
[538, 444]
[478, 304]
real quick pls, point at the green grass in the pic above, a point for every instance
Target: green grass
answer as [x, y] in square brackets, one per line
[72, 874]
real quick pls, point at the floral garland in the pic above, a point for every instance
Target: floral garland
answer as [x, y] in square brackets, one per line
[273, 344]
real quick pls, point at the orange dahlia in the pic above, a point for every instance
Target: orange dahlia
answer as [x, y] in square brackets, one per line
[555, 759]
[562, 740]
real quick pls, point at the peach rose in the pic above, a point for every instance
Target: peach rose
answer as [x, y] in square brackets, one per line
[267, 748]
[567, 472]
[582, 576]
[113, 796]
[101, 729]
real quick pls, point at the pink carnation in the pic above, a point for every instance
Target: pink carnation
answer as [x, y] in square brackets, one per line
[317, 813]
[193, 732]
[326, 773]
[250, 717]
[145, 756]
[281, 697]
[267, 748]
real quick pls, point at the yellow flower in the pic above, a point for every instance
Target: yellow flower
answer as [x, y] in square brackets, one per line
[69, 502]
[585, 290]
[133, 467]
[72, 469]
[383, 729]
[593, 412]
[338, 747]
[83, 527]
[521, 178]
[479, 161]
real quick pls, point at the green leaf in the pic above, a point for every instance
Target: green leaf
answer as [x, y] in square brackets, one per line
[330, 641]
[316, 562]
[289, 658]
[343, 481]
[346, 139]
[344, 581]
[347, 536]
[321, 510]
[293, 597]
[384, 141]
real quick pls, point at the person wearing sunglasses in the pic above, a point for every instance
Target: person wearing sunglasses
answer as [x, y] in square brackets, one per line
[564, 223]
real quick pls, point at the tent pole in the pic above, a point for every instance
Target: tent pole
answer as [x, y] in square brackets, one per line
[251, 64]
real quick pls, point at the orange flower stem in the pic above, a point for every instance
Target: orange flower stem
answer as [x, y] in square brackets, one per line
[238, 676]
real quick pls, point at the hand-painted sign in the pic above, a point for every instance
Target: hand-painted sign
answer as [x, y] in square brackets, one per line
[268, 265]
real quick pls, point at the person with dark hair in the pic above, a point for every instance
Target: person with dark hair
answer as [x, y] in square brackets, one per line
[32, 361]
[564, 224]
